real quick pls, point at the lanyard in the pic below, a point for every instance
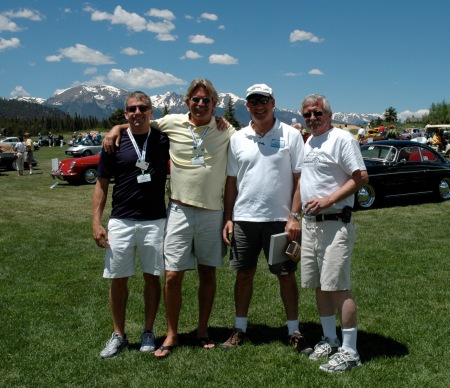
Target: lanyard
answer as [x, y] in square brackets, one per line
[141, 156]
[198, 143]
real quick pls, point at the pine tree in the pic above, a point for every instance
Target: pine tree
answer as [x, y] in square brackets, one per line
[229, 115]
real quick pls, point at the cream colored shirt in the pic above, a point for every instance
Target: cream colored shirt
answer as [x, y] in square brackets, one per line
[197, 185]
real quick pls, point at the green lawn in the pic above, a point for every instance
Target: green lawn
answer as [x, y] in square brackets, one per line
[55, 317]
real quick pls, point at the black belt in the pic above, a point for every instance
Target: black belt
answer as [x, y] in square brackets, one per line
[329, 217]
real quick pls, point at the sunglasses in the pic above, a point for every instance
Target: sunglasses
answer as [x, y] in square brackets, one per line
[261, 100]
[206, 100]
[142, 108]
[316, 113]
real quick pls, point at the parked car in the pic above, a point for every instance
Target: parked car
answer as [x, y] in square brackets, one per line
[401, 169]
[84, 148]
[384, 136]
[78, 170]
[8, 161]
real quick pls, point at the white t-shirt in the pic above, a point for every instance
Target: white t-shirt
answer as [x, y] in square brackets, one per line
[330, 160]
[264, 167]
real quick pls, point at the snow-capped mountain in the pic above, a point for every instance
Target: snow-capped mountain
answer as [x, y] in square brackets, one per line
[103, 100]
[35, 100]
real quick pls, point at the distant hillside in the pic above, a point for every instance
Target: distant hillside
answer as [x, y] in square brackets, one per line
[22, 109]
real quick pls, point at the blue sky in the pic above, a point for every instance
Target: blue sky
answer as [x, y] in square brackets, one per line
[364, 55]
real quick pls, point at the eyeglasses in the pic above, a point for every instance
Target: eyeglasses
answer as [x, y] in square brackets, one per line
[206, 100]
[316, 113]
[142, 108]
[261, 100]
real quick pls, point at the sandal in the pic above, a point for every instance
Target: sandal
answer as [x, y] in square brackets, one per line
[167, 350]
[206, 343]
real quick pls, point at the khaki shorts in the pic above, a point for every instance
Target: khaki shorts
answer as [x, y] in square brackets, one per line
[193, 233]
[128, 238]
[326, 255]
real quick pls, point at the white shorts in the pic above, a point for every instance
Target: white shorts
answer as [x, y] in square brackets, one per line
[128, 238]
[193, 233]
[326, 254]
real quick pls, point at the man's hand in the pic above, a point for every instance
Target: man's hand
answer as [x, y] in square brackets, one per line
[112, 139]
[293, 229]
[227, 232]
[100, 236]
[222, 123]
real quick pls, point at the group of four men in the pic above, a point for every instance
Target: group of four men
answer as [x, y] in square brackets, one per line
[232, 187]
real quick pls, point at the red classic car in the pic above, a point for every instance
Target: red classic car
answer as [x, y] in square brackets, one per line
[78, 170]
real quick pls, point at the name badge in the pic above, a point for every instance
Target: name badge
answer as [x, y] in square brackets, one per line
[142, 164]
[198, 160]
[275, 143]
[144, 178]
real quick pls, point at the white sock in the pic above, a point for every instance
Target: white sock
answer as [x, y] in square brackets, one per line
[329, 327]
[349, 340]
[292, 326]
[241, 323]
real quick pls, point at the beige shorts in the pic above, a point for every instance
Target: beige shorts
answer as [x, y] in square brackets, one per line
[193, 234]
[326, 255]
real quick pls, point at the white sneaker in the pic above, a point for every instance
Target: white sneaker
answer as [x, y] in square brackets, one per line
[324, 349]
[341, 361]
[147, 341]
[114, 346]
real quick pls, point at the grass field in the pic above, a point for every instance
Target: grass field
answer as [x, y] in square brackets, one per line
[55, 317]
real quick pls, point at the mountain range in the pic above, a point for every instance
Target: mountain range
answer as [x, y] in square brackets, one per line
[101, 101]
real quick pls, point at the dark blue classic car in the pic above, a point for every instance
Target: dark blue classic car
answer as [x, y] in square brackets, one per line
[400, 168]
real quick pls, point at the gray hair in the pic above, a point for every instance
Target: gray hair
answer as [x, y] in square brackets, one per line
[138, 95]
[201, 82]
[313, 98]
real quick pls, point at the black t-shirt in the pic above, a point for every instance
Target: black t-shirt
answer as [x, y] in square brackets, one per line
[132, 200]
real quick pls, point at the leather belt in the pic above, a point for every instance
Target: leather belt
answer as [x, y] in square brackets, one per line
[329, 217]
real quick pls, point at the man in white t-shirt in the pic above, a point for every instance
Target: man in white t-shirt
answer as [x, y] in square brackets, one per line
[361, 132]
[332, 171]
[262, 199]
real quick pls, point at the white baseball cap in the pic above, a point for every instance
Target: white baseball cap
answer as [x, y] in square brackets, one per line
[261, 89]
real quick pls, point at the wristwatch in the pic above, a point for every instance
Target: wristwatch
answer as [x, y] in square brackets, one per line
[296, 215]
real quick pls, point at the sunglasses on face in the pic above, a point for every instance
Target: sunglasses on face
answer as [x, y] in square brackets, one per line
[206, 100]
[261, 100]
[316, 113]
[142, 108]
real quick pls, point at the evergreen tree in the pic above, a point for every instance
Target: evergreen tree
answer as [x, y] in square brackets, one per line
[166, 110]
[229, 114]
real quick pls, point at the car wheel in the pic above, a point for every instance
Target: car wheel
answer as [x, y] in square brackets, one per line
[87, 153]
[90, 176]
[367, 197]
[443, 189]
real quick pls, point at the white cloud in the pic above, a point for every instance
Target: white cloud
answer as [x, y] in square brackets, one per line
[131, 20]
[221, 27]
[142, 78]
[191, 55]
[25, 13]
[131, 51]
[161, 13]
[209, 16]
[82, 54]
[7, 25]
[298, 35]
[90, 70]
[200, 39]
[315, 72]
[19, 91]
[9, 44]
[53, 58]
[166, 37]
[222, 59]
[291, 74]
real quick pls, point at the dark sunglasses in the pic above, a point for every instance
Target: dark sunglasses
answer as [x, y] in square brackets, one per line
[316, 113]
[206, 100]
[261, 100]
[142, 108]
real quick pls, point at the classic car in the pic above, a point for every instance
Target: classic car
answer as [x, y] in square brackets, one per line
[77, 170]
[8, 161]
[84, 148]
[402, 168]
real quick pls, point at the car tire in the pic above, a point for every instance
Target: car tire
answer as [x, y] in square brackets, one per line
[443, 189]
[90, 176]
[87, 153]
[367, 197]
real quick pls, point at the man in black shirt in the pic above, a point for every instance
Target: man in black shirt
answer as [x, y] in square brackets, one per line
[138, 217]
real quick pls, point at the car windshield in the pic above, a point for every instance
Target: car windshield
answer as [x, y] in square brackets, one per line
[377, 152]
